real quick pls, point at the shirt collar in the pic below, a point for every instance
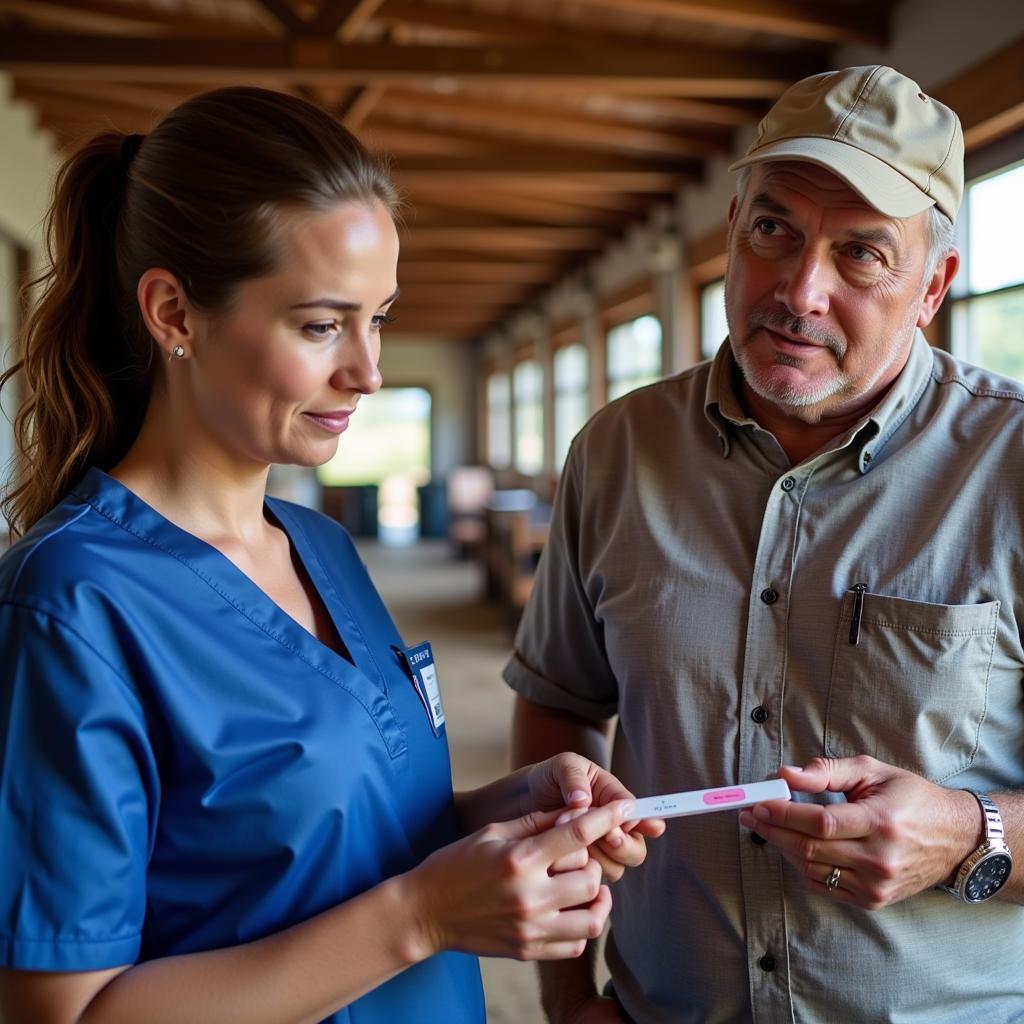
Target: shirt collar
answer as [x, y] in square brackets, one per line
[722, 405]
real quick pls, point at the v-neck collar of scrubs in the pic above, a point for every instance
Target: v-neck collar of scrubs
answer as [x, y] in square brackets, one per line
[121, 505]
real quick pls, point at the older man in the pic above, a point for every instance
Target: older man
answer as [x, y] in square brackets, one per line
[809, 551]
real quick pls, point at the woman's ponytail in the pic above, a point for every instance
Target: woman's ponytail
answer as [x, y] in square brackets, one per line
[84, 373]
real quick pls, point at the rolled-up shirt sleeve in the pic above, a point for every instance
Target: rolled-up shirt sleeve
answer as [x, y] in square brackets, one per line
[559, 657]
[78, 795]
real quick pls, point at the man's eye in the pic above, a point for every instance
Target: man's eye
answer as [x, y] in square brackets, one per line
[767, 228]
[860, 254]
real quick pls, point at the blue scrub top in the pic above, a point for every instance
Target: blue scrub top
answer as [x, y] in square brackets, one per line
[183, 767]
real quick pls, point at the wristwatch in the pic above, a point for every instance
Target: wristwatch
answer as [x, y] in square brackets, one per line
[987, 869]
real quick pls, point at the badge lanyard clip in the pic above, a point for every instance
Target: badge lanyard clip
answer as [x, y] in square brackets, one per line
[418, 663]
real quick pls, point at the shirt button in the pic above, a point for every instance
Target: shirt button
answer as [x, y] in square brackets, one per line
[788, 483]
[769, 595]
[760, 714]
[766, 963]
[757, 839]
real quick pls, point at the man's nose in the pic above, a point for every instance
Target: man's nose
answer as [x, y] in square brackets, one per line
[804, 286]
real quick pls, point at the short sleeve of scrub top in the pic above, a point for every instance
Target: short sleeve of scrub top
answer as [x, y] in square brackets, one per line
[184, 768]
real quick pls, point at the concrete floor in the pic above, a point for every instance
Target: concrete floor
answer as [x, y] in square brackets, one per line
[435, 597]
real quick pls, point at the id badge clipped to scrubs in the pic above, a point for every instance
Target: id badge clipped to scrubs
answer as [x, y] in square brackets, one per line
[418, 663]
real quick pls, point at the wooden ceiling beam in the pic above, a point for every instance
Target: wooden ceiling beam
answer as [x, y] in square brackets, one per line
[399, 133]
[127, 19]
[357, 105]
[472, 23]
[90, 118]
[599, 133]
[824, 23]
[344, 18]
[433, 270]
[479, 294]
[989, 96]
[403, 143]
[535, 209]
[676, 71]
[502, 239]
[284, 14]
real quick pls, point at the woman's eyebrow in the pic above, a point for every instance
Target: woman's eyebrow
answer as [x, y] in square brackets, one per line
[343, 305]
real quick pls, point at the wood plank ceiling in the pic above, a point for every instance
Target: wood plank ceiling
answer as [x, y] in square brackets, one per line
[527, 135]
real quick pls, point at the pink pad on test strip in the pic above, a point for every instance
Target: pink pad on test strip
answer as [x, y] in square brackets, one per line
[702, 801]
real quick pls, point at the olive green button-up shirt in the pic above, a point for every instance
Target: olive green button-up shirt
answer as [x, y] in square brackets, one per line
[700, 586]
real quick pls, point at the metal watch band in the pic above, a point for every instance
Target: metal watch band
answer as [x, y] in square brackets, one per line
[993, 819]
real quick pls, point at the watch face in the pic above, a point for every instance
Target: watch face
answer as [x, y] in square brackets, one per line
[987, 878]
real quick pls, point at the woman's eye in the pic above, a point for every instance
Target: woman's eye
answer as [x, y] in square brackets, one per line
[382, 320]
[322, 330]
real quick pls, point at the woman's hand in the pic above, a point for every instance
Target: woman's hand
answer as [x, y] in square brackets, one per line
[494, 893]
[574, 782]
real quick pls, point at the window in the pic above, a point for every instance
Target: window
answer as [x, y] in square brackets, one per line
[634, 355]
[499, 421]
[389, 434]
[987, 316]
[528, 399]
[382, 458]
[572, 396]
[713, 327]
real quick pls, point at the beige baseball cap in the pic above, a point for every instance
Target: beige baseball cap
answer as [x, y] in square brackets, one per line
[874, 128]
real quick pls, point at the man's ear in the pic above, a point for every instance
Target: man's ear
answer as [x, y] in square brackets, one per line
[937, 287]
[167, 312]
[733, 206]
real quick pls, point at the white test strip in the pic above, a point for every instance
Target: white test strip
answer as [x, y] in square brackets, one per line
[703, 801]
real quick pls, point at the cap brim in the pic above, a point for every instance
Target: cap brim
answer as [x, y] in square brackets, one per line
[875, 181]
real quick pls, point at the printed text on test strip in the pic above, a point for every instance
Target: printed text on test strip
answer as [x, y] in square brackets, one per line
[703, 801]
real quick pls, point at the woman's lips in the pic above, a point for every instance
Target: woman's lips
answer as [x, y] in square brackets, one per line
[332, 422]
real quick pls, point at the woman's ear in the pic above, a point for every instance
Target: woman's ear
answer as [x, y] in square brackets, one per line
[167, 313]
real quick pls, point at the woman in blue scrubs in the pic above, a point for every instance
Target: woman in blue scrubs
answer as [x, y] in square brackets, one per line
[224, 782]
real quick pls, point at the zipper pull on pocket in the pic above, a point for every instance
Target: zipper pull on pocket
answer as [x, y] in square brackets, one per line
[859, 590]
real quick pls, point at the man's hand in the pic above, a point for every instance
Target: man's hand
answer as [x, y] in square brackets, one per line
[896, 835]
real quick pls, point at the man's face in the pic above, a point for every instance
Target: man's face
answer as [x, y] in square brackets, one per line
[822, 293]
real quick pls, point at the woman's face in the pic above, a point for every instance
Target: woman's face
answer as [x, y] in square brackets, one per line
[277, 379]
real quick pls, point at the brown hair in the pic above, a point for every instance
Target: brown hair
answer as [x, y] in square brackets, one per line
[200, 197]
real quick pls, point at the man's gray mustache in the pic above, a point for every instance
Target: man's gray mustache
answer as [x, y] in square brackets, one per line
[799, 326]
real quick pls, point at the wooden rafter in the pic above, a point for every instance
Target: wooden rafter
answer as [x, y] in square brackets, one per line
[353, 110]
[284, 14]
[344, 18]
[558, 128]
[827, 23]
[124, 19]
[663, 71]
[989, 97]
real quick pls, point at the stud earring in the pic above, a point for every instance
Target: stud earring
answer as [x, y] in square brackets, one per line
[178, 352]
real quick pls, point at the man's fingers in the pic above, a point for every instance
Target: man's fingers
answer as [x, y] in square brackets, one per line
[831, 821]
[834, 774]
